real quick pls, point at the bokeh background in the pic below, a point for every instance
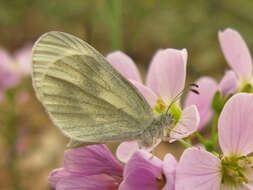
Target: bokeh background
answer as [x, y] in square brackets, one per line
[30, 145]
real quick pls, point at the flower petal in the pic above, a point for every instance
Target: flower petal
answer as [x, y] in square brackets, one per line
[198, 170]
[236, 52]
[149, 95]
[126, 149]
[167, 73]
[141, 172]
[94, 182]
[151, 78]
[203, 100]
[229, 83]
[169, 170]
[23, 58]
[8, 76]
[56, 175]
[92, 160]
[124, 64]
[185, 55]
[235, 125]
[187, 124]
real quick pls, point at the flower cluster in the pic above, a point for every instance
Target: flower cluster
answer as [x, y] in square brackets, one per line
[163, 83]
[228, 104]
[94, 167]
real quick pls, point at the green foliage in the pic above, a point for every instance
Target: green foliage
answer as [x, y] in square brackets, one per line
[218, 102]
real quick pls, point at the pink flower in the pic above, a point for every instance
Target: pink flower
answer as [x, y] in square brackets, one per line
[203, 101]
[201, 170]
[169, 169]
[238, 57]
[124, 64]
[94, 168]
[8, 76]
[165, 80]
[141, 172]
[12, 69]
[144, 171]
[89, 167]
[229, 83]
[23, 59]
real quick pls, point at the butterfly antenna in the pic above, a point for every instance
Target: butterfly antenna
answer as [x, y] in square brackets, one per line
[189, 88]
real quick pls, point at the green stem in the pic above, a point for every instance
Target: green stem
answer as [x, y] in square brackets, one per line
[188, 140]
[214, 130]
[114, 12]
[12, 141]
[184, 143]
[200, 138]
[215, 153]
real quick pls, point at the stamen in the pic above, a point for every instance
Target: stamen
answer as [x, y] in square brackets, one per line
[234, 168]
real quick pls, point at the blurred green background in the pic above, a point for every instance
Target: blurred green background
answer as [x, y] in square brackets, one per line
[139, 28]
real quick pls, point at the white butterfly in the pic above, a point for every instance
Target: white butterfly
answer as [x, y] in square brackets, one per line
[86, 98]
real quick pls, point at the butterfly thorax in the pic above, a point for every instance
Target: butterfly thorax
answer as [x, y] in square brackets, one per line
[156, 129]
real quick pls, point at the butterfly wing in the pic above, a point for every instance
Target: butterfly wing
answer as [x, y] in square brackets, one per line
[83, 94]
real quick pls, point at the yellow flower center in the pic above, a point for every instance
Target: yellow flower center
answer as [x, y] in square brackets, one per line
[175, 110]
[246, 85]
[233, 170]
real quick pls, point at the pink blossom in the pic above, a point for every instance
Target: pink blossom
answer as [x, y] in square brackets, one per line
[8, 76]
[167, 73]
[144, 171]
[89, 167]
[12, 69]
[236, 52]
[141, 172]
[94, 167]
[229, 83]
[238, 57]
[169, 170]
[165, 80]
[125, 150]
[23, 59]
[122, 62]
[207, 88]
[201, 170]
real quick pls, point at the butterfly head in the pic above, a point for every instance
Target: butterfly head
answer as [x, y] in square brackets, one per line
[166, 122]
[166, 119]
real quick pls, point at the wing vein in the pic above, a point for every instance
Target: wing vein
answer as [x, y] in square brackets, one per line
[120, 79]
[84, 92]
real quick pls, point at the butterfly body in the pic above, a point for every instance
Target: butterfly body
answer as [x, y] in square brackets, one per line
[155, 130]
[86, 98]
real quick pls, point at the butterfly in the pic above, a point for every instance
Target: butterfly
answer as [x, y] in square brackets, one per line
[87, 98]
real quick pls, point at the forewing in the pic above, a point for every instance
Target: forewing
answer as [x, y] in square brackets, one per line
[83, 94]
[52, 46]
